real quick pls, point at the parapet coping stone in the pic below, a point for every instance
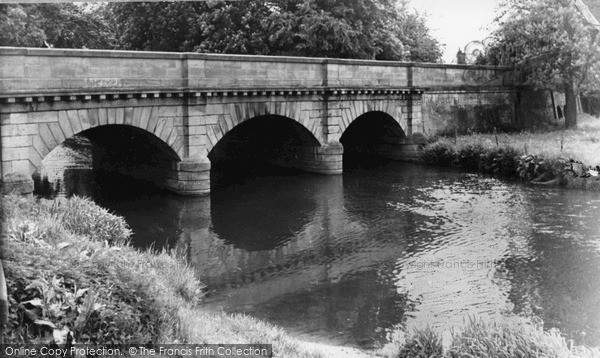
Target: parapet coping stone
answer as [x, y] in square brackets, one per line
[54, 52]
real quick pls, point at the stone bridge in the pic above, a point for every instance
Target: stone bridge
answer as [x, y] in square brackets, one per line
[165, 117]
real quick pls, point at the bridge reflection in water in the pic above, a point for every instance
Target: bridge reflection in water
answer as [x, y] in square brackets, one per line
[352, 259]
[298, 248]
[345, 259]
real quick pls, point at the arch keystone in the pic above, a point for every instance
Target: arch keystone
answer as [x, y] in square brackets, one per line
[83, 119]
[120, 115]
[128, 116]
[111, 115]
[93, 116]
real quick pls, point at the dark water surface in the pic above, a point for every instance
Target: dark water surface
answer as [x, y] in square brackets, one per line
[352, 259]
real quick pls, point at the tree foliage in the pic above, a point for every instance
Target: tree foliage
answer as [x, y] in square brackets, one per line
[331, 29]
[18, 28]
[54, 25]
[413, 32]
[161, 26]
[552, 44]
[366, 29]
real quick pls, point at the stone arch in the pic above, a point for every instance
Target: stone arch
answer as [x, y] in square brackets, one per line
[373, 128]
[68, 123]
[392, 108]
[272, 138]
[372, 136]
[237, 113]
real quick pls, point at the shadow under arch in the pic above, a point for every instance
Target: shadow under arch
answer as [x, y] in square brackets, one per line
[120, 150]
[262, 142]
[369, 138]
[249, 165]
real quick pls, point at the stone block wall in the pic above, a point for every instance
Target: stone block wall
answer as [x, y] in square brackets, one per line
[462, 112]
[366, 74]
[39, 71]
[438, 77]
[325, 159]
[253, 72]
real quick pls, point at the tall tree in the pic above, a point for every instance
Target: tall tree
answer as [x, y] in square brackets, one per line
[366, 29]
[419, 45]
[155, 26]
[334, 28]
[19, 27]
[238, 27]
[55, 25]
[552, 44]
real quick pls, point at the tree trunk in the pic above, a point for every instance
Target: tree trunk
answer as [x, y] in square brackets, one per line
[570, 107]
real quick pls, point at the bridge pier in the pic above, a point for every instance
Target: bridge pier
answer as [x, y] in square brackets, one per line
[190, 177]
[407, 151]
[19, 183]
[326, 159]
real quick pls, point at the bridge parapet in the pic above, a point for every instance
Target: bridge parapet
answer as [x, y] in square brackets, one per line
[52, 72]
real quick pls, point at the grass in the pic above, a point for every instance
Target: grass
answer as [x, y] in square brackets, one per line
[566, 157]
[71, 274]
[512, 338]
[582, 144]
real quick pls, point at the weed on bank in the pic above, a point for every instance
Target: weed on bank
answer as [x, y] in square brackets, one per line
[73, 278]
[568, 158]
[512, 338]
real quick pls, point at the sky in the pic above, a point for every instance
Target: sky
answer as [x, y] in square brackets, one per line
[457, 22]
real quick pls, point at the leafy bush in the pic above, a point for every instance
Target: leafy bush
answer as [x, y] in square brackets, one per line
[438, 154]
[500, 161]
[469, 157]
[58, 309]
[531, 166]
[498, 156]
[71, 275]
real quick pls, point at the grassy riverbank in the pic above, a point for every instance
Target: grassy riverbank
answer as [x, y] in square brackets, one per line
[514, 337]
[70, 271]
[567, 158]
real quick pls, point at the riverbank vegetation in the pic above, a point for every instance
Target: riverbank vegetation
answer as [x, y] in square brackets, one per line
[511, 338]
[72, 276]
[565, 157]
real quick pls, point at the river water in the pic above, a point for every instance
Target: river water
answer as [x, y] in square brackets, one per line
[354, 259]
